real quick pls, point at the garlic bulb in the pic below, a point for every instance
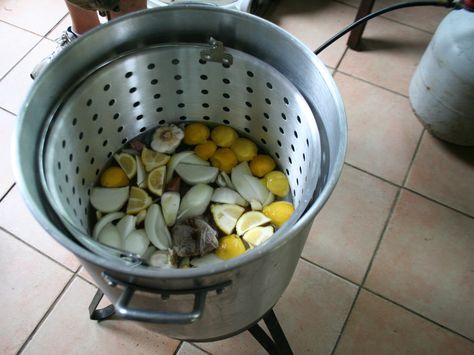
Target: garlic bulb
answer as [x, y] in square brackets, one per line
[167, 139]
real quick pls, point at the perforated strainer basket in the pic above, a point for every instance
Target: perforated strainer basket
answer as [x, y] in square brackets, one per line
[168, 84]
[167, 66]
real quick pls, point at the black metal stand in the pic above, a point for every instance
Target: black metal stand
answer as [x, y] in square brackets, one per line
[277, 344]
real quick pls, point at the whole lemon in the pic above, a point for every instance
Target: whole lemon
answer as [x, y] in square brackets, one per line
[244, 149]
[230, 247]
[262, 164]
[224, 159]
[224, 136]
[279, 212]
[205, 150]
[114, 176]
[196, 133]
[277, 183]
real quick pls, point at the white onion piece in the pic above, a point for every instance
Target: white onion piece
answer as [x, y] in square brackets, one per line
[141, 173]
[107, 199]
[136, 242]
[161, 258]
[227, 180]
[170, 206]
[101, 223]
[156, 229]
[270, 198]
[226, 195]
[194, 159]
[220, 181]
[126, 226]
[140, 217]
[197, 174]
[110, 236]
[207, 259]
[148, 252]
[247, 185]
[174, 161]
[256, 205]
[195, 201]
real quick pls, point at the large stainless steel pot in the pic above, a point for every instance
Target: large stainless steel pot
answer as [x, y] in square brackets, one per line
[54, 171]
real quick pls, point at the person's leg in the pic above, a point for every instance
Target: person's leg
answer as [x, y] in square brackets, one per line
[82, 20]
[127, 6]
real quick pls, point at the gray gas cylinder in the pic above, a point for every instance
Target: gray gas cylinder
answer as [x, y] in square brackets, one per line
[442, 88]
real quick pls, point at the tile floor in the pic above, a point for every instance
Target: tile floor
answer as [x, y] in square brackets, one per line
[389, 264]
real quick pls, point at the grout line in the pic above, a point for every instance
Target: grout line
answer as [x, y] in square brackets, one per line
[413, 157]
[417, 314]
[439, 203]
[7, 111]
[46, 315]
[55, 26]
[21, 28]
[6, 193]
[198, 347]
[84, 279]
[388, 18]
[329, 271]
[178, 348]
[19, 61]
[372, 174]
[339, 336]
[340, 60]
[37, 250]
[373, 84]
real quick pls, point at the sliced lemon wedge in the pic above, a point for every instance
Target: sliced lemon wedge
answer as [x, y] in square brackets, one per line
[156, 180]
[258, 235]
[138, 200]
[226, 216]
[152, 159]
[127, 163]
[250, 220]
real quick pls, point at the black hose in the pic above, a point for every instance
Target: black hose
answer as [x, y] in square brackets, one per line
[448, 4]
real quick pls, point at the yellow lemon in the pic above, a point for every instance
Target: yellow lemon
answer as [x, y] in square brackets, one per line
[257, 235]
[205, 150]
[127, 163]
[114, 177]
[250, 220]
[156, 180]
[138, 200]
[262, 164]
[230, 247]
[244, 149]
[224, 159]
[195, 133]
[224, 136]
[277, 183]
[152, 159]
[279, 212]
[226, 216]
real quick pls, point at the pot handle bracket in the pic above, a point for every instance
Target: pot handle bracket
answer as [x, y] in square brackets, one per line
[123, 309]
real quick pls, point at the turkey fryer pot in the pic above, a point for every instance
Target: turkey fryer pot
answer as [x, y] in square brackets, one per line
[161, 66]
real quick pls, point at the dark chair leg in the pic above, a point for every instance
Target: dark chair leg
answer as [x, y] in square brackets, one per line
[356, 34]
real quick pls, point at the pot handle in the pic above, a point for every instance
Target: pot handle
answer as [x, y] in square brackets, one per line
[153, 316]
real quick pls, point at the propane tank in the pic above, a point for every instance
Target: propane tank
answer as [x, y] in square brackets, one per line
[442, 88]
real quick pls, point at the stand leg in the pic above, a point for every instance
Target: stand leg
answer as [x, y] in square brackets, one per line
[364, 9]
[279, 345]
[100, 314]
